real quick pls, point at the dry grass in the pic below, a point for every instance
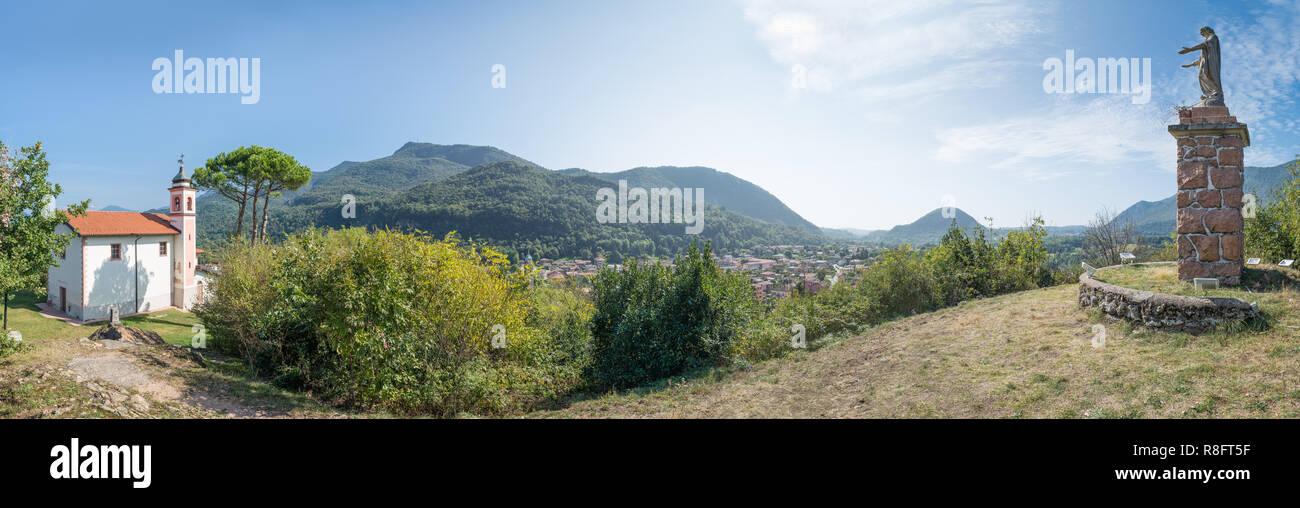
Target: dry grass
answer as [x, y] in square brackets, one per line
[1274, 289]
[1027, 354]
[1163, 278]
[39, 383]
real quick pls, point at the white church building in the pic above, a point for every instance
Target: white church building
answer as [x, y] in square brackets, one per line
[134, 262]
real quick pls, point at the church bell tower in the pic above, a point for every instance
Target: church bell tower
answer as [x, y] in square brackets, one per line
[184, 256]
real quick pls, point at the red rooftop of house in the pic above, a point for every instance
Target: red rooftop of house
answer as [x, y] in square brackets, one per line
[96, 223]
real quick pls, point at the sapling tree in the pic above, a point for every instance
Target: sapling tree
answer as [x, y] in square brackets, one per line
[28, 218]
[1106, 237]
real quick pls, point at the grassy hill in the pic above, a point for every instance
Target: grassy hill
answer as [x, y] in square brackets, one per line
[1025, 354]
[1028, 354]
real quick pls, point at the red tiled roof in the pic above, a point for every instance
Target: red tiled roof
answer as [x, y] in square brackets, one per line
[96, 223]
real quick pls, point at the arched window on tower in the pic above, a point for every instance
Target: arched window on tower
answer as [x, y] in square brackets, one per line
[189, 204]
[176, 204]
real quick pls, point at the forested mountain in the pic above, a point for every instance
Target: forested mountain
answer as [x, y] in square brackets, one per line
[722, 189]
[489, 194]
[544, 213]
[1157, 217]
[517, 204]
[412, 164]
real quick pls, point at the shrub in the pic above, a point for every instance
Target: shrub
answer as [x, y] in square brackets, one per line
[651, 321]
[1022, 259]
[564, 316]
[1274, 232]
[899, 284]
[904, 281]
[398, 322]
[962, 266]
[238, 297]
[9, 346]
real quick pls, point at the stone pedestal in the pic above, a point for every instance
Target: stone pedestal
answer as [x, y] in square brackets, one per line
[1210, 176]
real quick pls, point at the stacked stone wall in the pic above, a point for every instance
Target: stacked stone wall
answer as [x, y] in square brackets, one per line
[1163, 311]
[1210, 198]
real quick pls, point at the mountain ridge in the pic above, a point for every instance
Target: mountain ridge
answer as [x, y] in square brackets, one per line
[1158, 217]
[721, 188]
[524, 208]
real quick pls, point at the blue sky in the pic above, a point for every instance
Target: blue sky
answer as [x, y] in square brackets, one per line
[899, 103]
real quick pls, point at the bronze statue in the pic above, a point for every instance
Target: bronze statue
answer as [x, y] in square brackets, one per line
[1211, 84]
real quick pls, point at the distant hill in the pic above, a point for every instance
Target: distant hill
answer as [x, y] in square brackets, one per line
[930, 228]
[927, 229]
[720, 188]
[1060, 230]
[847, 234]
[1158, 217]
[546, 213]
[115, 208]
[412, 164]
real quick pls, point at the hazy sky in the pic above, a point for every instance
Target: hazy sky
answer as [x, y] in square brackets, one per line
[854, 113]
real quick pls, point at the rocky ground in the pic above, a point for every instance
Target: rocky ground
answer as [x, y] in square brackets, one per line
[84, 378]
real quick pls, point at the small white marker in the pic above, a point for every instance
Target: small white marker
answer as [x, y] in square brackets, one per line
[1206, 283]
[1285, 262]
[1126, 257]
[1252, 261]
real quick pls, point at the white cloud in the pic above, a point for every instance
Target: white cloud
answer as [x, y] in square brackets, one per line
[1261, 74]
[1072, 133]
[1100, 133]
[891, 49]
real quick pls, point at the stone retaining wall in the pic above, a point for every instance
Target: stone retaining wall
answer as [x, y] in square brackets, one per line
[1159, 310]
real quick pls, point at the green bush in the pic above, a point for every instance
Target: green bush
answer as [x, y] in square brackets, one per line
[651, 321]
[900, 284]
[1274, 232]
[1022, 259]
[904, 281]
[9, 346]
[404, 322]
[395, 322]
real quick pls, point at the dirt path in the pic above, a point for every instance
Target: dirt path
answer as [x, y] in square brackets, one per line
[74, 378]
